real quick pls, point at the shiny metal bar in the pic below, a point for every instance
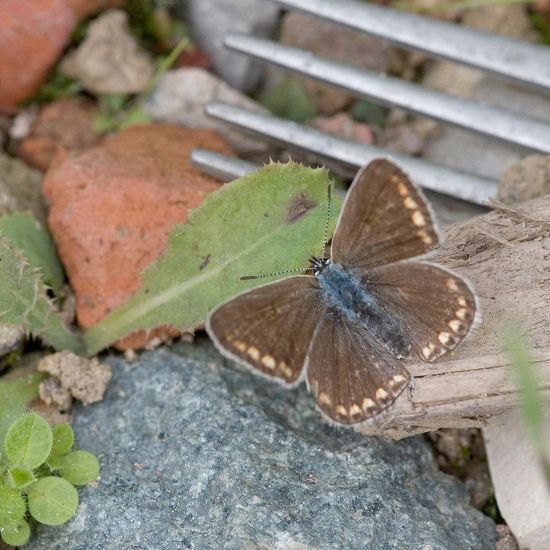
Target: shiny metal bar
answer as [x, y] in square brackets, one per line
[227, 168]
[220, 166]
[515, 60]
[386, 90]
[461, 185]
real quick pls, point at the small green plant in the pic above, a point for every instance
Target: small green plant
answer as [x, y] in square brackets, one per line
[57, 86]
[30, 273]
[152, 23]
[527, 380]
[369, 113]
[289, 99]
[541, 23]
[38, 472]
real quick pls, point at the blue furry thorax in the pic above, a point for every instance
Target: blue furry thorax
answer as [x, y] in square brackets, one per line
[345, 292]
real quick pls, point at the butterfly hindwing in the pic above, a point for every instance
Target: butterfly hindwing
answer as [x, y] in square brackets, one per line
[435, 306]
[351, 377]
[270, 327]
[384, 219]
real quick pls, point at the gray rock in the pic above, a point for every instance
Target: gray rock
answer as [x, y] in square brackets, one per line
[211, 20]
[196, 454]
[109, 60]
[181, 98]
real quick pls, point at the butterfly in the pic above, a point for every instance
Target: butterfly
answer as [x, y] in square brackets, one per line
[348, 327]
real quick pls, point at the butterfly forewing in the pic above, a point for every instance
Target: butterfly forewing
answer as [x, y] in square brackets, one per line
[351, 377]
[270, 327]
[384, 219]
[435, 306]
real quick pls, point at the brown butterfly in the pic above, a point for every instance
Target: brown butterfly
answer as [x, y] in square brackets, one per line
[347, 328]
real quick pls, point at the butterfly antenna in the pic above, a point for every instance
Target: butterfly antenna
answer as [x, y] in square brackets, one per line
[327, 222]
[299, 269]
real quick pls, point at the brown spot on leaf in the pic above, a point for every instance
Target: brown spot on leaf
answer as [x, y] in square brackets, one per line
[205, 262]
[299, 206]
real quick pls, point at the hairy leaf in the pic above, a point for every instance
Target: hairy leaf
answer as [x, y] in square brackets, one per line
[63, 439]
[78, 467]
[52, 500]
[12, 507]
[28, 442]
[18, 534]
[25, 232]
[266, 222]
[19, 477]
[24, 301]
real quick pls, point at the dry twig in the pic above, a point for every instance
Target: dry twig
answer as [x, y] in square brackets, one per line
[510, 268]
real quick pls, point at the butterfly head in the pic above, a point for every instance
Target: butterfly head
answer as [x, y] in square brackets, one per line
[318, 264]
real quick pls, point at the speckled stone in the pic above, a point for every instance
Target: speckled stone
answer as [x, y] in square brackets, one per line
[196, 454]
[211, 20]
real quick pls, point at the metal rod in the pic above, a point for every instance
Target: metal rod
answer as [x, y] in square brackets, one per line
[515, 60]
[227, 168]
[465, 186]
[475, 116]
[220, 166]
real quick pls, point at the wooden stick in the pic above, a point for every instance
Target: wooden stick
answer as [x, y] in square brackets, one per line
[506, 255]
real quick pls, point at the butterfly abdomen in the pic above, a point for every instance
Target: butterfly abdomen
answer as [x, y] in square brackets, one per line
[346, 293]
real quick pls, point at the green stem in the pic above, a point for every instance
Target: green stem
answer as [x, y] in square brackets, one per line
[525, 373]
[135, 104]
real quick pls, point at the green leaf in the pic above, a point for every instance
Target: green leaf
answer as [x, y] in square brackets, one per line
[370, 113]
[289, 99]
[58, 86]
[103, 123]
[18, 534]
[17, 390]
[79, 467]
[25, 232]
[20, 477]
[113, 102]
[119, 112]
[63, 439]
[12, 506]
[265, 222]
[28, 442]
[24, 301]
[52, 500]
[541, 23]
